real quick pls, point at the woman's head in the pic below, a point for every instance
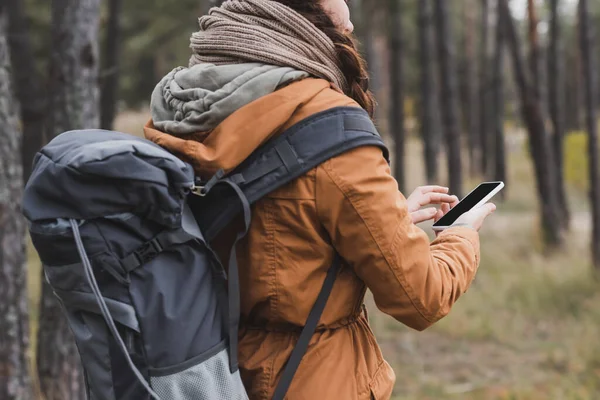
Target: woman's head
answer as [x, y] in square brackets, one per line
[333, 18]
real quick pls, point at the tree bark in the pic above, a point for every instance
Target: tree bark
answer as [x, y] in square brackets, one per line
[484, 88]
[111, 73]
[396, 109]
[586, 38]
[498, 104]
[428, 135]
[430, 139]
[469, 89]
[556, 106]
[449, 95]
[15, 379]
[29, 90]
[74, 104]
[539, 143]
[534, 49]
[573, 96]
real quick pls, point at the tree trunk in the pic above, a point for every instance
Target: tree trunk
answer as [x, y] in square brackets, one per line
[556, 105]
[469, 89]
[449, 95]
[15, 380]
[484, 88]
[539, 143]
[534, 49]
[573, 89]
[74, 66]
[73, 105]
[589, 70]
[29, 90]
[111, 73]
[430, 138]
[396, 108]
[498, 104]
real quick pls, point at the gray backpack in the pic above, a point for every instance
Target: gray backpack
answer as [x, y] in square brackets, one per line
[123, 229]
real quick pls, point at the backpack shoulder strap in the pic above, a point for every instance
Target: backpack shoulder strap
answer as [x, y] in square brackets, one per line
[292, 154]
[303, 147]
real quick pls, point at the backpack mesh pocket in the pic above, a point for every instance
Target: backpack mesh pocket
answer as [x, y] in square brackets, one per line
[204, 377]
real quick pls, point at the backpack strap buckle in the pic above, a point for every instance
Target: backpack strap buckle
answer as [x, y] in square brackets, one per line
[198, 190]
[202, 190]
[153, 247]
[148, 251]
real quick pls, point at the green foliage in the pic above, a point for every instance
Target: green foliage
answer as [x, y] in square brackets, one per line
[155, 40]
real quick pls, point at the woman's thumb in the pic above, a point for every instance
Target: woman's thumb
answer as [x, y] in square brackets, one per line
[488, 208]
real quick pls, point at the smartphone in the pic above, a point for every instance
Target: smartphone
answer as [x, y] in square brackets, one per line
[478, 197]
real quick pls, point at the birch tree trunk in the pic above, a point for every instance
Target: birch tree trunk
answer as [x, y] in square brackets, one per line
[15, 379]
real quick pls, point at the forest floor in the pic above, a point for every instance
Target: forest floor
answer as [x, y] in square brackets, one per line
[529, 326]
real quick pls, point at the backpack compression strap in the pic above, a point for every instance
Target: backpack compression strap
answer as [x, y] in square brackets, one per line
[89, 274]
[283, 159]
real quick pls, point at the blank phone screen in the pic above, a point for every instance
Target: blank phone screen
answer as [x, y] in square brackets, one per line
[467, 203]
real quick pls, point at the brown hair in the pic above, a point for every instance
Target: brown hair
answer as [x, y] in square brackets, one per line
[352, 65]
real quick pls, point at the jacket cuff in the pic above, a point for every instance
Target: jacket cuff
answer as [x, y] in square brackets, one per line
[464, 232]
[461, 224]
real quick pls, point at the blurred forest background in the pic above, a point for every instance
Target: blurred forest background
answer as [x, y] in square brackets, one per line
[468, 90]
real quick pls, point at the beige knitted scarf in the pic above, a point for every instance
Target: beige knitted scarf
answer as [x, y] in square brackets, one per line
[268, 32]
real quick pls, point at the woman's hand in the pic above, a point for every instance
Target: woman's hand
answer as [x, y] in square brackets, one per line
[427, 195]
[475, 217]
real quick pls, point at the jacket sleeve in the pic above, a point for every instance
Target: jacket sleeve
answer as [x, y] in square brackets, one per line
[412, 279]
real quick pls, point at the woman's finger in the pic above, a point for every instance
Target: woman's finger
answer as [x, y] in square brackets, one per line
[441, 212]
[438, 215]
[437, 198]
[423, 215]
[433, 188]
[445, 208]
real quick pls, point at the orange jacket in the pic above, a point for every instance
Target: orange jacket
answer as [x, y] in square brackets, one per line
[351, 204]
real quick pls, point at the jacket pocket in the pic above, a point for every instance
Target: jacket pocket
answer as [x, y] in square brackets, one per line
[201, 377]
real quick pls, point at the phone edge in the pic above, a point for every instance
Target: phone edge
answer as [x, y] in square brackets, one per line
[481, 202]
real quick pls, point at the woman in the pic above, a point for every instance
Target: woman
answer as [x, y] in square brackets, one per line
[259, 67]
